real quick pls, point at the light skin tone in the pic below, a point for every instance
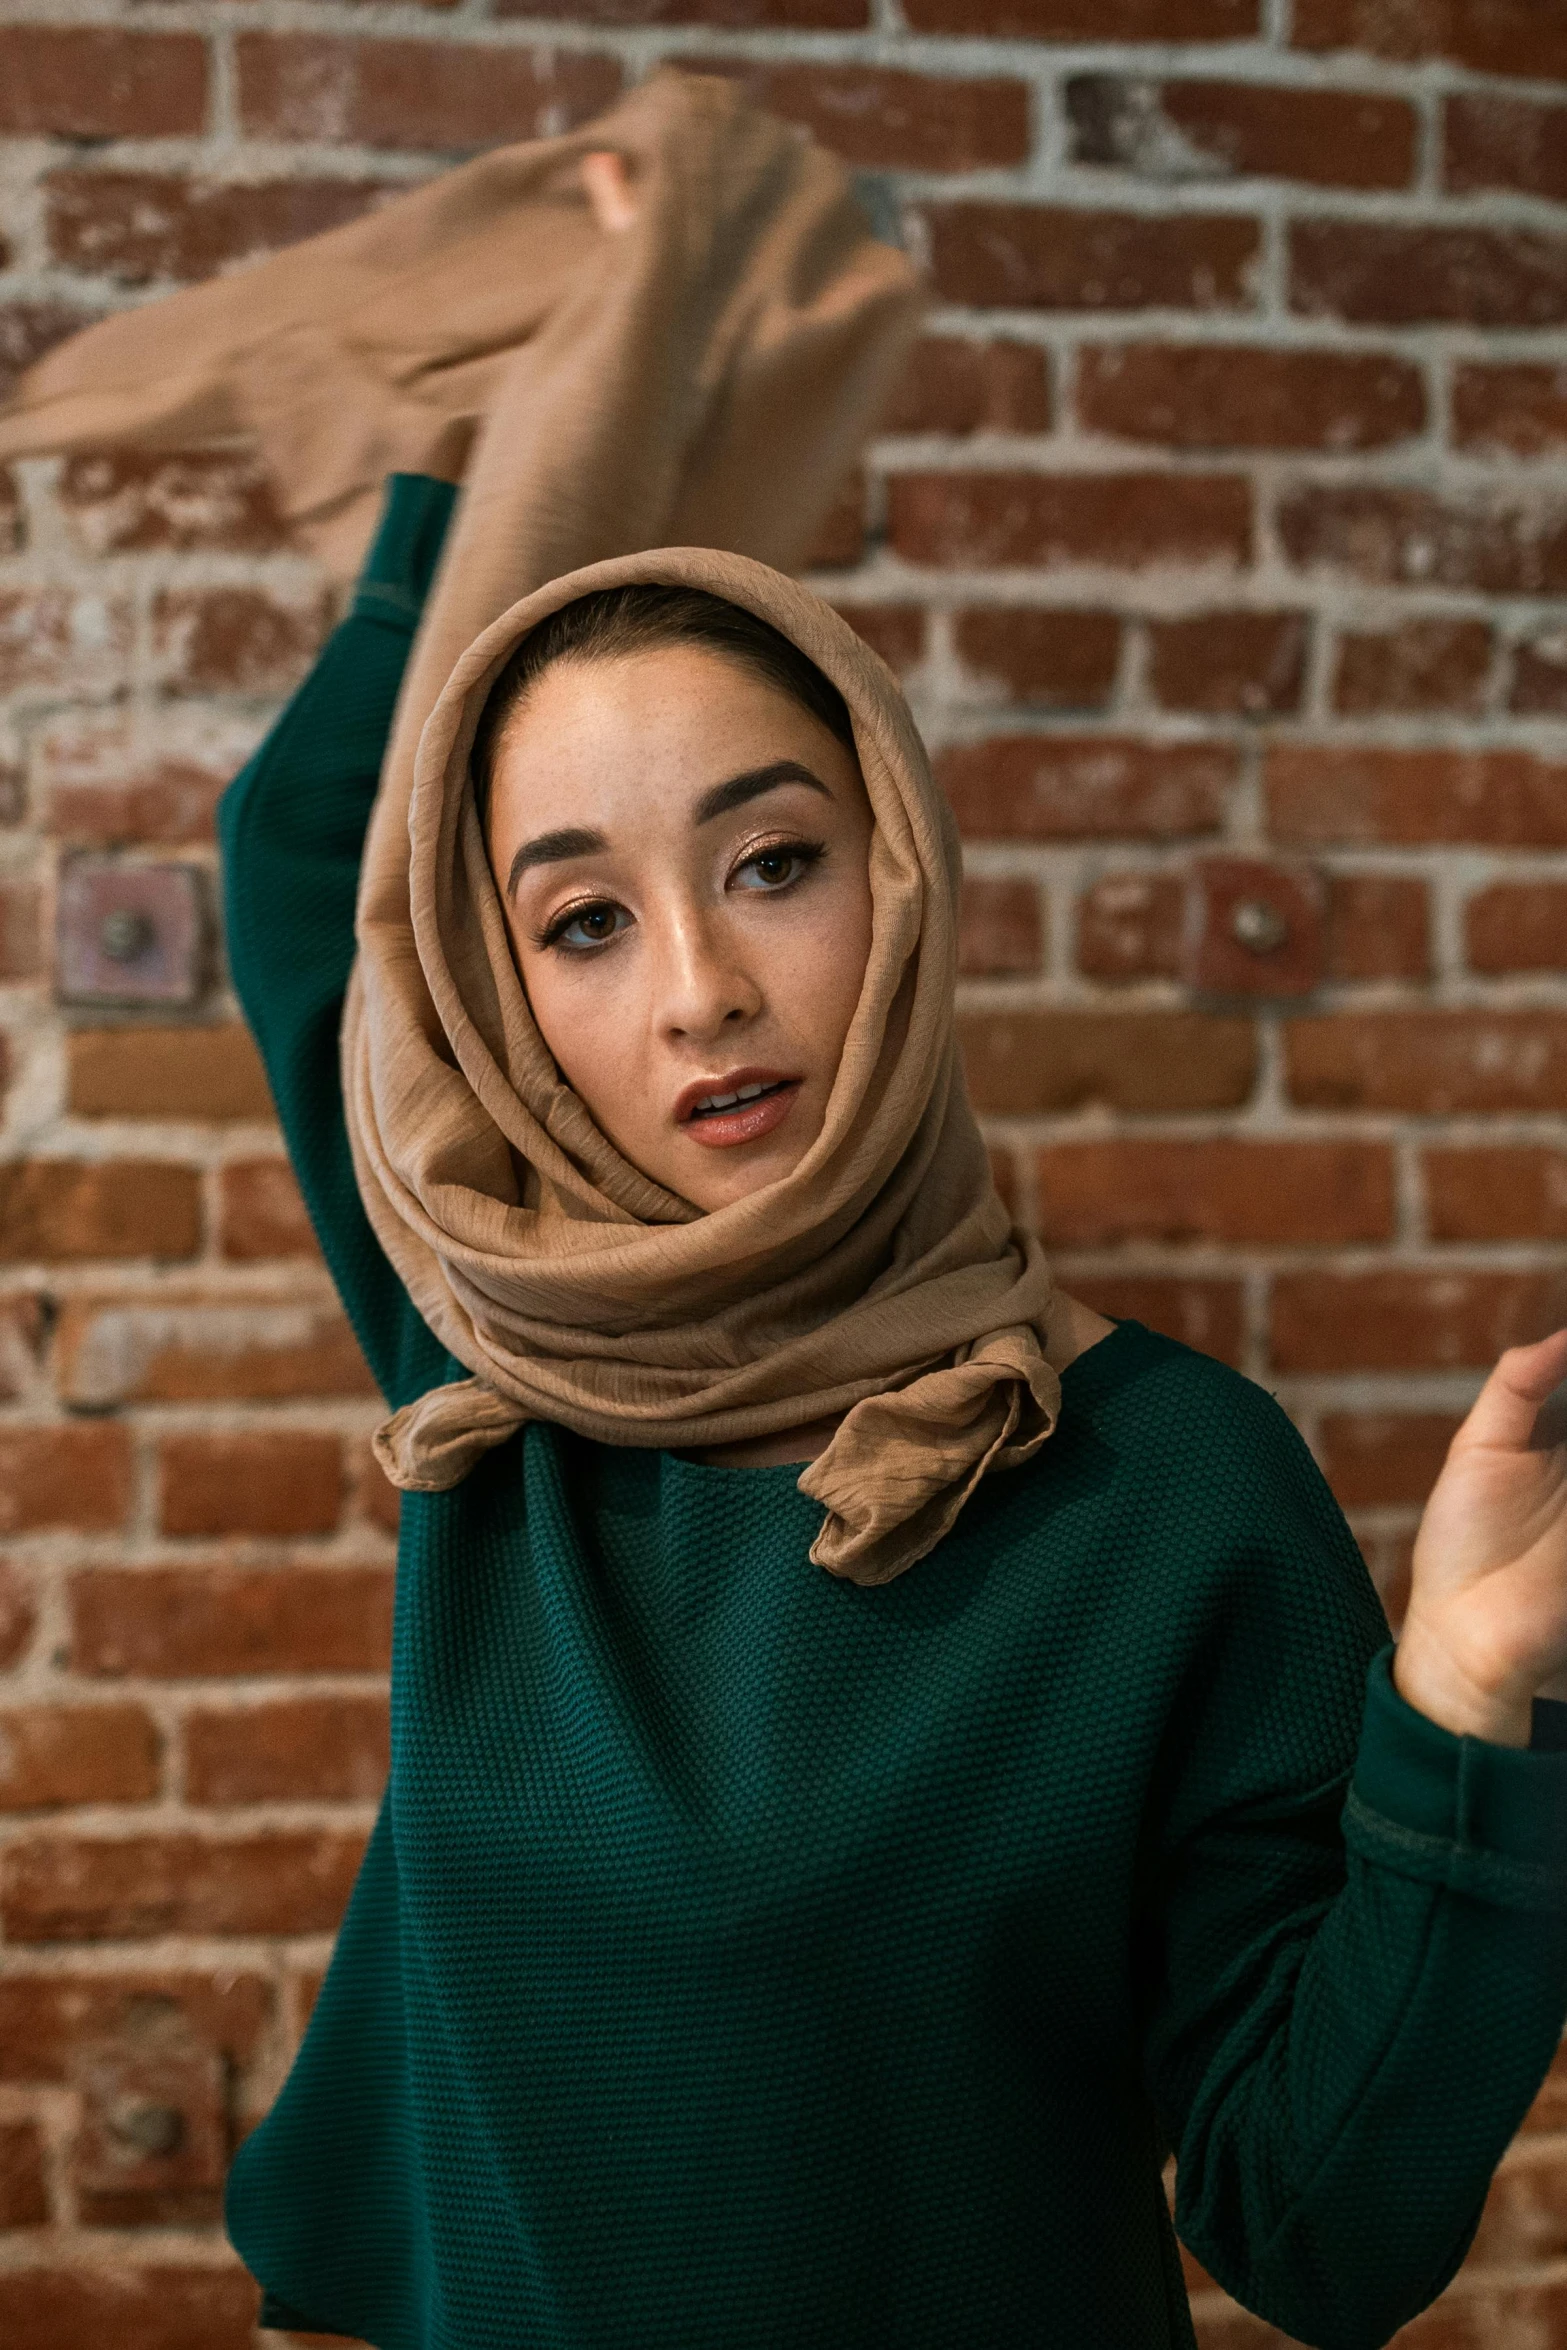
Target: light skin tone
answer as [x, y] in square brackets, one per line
[682, 855]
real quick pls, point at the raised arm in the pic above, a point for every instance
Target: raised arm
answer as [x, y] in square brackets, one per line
[291, 828]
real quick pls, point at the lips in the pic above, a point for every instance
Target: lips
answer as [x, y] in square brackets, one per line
[738, 1107]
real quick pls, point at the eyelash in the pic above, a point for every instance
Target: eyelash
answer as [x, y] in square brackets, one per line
[806, 853]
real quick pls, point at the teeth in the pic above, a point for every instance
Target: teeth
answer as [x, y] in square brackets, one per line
[727, 1101]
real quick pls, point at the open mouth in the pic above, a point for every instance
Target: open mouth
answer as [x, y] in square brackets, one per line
[739, 1111]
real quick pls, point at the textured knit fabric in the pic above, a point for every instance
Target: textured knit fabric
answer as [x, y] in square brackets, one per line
[746, 1960]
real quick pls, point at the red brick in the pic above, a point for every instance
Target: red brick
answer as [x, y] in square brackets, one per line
[1055, 660]
[994, 256]
[168, 804]
[199, 1623]
[1497, 1191]
[1539, 688]
[65, 1209]
[1549, 2110]
[76, 1474]
[1517, 926]
[1000, 930]
[1206, 1314]
[1411, 538]
[52, 637]
[23, 1328]
[1379, 275]
[1083, 787]
[434, 94]
[261, 1213]
[204, 1073]
[1378, 1460]
[18, 1612]
[276, 1482]
[378, 1497]
[142, 225]
[168, 1346]
[1378, 926]
[48, 2020]
[98, 82]
[1525, 2216]
[840, 535]
[234, 639]
[1493, 36]
[1430, 1062]
[21, 938]
[1025, 1063]
[1518, 409]
[1240, 664]
[883, 119]
[742, 15]
[29, 329]
[131, 2306]
[13, 523]
[1235, 396]
[24, 2188]
[1493, 142]
[59, 1754]
[1418, 665]
[1495, 799]
[954, 385]
[126, 501]
[1132, 926]
[1087, 20]
[1401, 1320]
[1097, 1194]
[292, 1750]
[895, 631]
[1196, 129]
[60, 1888]
[1120, 521]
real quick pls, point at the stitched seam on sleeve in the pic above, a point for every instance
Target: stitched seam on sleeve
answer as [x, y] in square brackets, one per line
[1461, 1868]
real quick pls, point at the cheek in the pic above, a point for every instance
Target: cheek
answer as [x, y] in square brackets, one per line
[582, 1022]
[819, 960]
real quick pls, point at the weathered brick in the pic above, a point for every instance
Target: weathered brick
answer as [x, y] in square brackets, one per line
[1319, 793]
[1023, 1063]
[59, 1754]
[101, 82]
[126, 501]
[1197, 129]
[75, 1474]
[1412, 538]
[261, 1213]
[885, 119]
[1083, 787]
[56, 636]
[18, 1611]
[289, 1750]
[1549, 2110]
[141, 225]
[1495, 142]
[21, 930]
[1517, 926]
[47, 2020]
[1409, 1320]
[1378, 926]
[136, 2307]
[1096, 1194]
[433, 94]
[1416, 665]
[1087, 20]
[1516, 408]
[257, 1482]
[895, 631]
[1239, 396]
[1132, 926]
[1000, 929]
[1377, 1460]
[13, 523]
[167, 804]
[1429, 1062]
[1496, 1191]
[1375, 274]
[24, 2186]
[996, 256]
[1525, 2215]
[1492, 36]
[169, 1346]
[202, 1623]
[1539, 688]
[956, 385]
[29, 329]
[1201, 1312]
[840, 535]
[199, 1072]
[58, 1888]
[1239, 663]
[378, 1497]
[1118, 521]
[1055, 660]
[742, 15]
[235, 639]
[64, 1209]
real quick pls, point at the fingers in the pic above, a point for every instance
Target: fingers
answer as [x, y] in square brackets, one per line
[1508, 1406]
[609, 190]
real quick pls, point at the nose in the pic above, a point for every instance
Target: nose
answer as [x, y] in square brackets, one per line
[706, 986]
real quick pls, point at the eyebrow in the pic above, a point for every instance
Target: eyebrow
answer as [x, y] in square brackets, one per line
[576, 840]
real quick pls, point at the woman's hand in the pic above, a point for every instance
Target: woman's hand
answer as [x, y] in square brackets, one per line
[1486, 1628]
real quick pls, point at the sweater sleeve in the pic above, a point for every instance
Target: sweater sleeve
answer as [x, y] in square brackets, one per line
[291, 829]
[1357, 1944]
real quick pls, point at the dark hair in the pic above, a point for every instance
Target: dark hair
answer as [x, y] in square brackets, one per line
[632, 619]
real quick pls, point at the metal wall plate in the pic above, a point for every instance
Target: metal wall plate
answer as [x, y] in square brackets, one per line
[130, 933]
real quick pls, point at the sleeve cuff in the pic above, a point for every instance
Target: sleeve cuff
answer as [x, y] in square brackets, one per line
[415, 512]
[1488, 1821]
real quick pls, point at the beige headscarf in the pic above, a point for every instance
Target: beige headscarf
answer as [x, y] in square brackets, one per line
[882, 1278]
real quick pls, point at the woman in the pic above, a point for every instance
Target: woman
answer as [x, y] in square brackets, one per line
[751, 1954]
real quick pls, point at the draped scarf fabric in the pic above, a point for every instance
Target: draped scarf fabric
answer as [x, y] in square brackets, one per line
[881, 1279]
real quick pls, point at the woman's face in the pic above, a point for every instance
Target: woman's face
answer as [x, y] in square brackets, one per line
[682, 852]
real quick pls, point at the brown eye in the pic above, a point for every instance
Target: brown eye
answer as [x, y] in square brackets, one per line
[775, 868]
[583, 927]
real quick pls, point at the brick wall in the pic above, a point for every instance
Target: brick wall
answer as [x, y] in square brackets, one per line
[1221, 532]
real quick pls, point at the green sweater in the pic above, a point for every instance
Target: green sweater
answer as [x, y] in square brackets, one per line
[746, 1960]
